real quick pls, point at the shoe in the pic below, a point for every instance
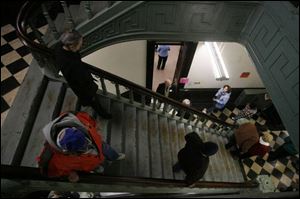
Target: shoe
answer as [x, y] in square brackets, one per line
[99, 169]
[204, 111]
[121, 156]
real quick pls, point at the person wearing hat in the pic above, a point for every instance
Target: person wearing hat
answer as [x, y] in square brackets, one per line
[193, 159]
[73, 144]
[75, 72]
[248, 142]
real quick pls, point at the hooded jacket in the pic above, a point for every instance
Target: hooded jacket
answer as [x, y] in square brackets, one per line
[62, 163]
[191, 159]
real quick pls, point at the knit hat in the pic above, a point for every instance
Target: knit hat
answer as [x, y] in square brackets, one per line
[209, 148]
[267, 137]
[73, 140]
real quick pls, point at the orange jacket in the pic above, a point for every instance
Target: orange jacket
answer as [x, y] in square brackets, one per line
[62, 164]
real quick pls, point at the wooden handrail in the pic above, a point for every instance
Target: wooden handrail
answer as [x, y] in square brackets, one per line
[29, 173]
[21, 24]
[22, 18]
[144, 91]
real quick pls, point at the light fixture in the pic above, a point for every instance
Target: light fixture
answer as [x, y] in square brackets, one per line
[220, 70]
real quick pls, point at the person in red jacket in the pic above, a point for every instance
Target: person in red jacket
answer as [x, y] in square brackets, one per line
[73, 144]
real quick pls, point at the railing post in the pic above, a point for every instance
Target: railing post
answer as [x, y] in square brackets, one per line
[197, 121]
[88, 10]
[173, 113]
[36, 33]
[165, 108]
[143, 101]
[131, 97]
[181, 115]
[117, 90]
[103, 86]
[50, 22]
[68, 16]
[154, 104]
[190, 118]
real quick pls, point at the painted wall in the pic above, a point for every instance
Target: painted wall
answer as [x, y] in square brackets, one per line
[272, 39]
[127, 60]
[236, 59]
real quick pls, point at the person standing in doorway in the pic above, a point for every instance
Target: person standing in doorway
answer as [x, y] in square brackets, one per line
[162, 56]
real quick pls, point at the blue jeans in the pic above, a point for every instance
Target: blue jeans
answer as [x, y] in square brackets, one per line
[108, 152]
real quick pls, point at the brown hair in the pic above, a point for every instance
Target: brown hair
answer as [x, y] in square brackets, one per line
[229, 88]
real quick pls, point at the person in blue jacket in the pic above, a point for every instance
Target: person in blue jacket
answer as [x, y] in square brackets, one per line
[162, 56]
[220, 99]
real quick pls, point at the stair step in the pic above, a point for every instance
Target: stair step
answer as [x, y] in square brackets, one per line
[44, 116]
[21, 113]
[181, 134]
[70, 101]
[174, 147]
[208, 176]
[103, 125]
[155, 154]
[231, 166]
[165, 147]
[129, 164]
[116, 136]
[143, 157]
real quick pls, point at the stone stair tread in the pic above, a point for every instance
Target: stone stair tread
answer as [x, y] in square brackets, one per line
[155, 154]
[165, 147]
[44, 116]
[143, 159]
[129, 130]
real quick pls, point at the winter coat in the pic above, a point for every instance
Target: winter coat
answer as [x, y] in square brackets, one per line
[76, 74]
[55, 162]
[246, 136]
[191, 160]
[162, 87]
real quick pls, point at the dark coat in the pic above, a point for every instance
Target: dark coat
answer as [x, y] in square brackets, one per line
[191, 160]
[76, 74]
[161, 90]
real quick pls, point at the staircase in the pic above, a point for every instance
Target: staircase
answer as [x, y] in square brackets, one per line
[150, 137]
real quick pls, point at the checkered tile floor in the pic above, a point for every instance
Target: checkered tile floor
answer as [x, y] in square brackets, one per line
[15, 59]
[281, 171]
